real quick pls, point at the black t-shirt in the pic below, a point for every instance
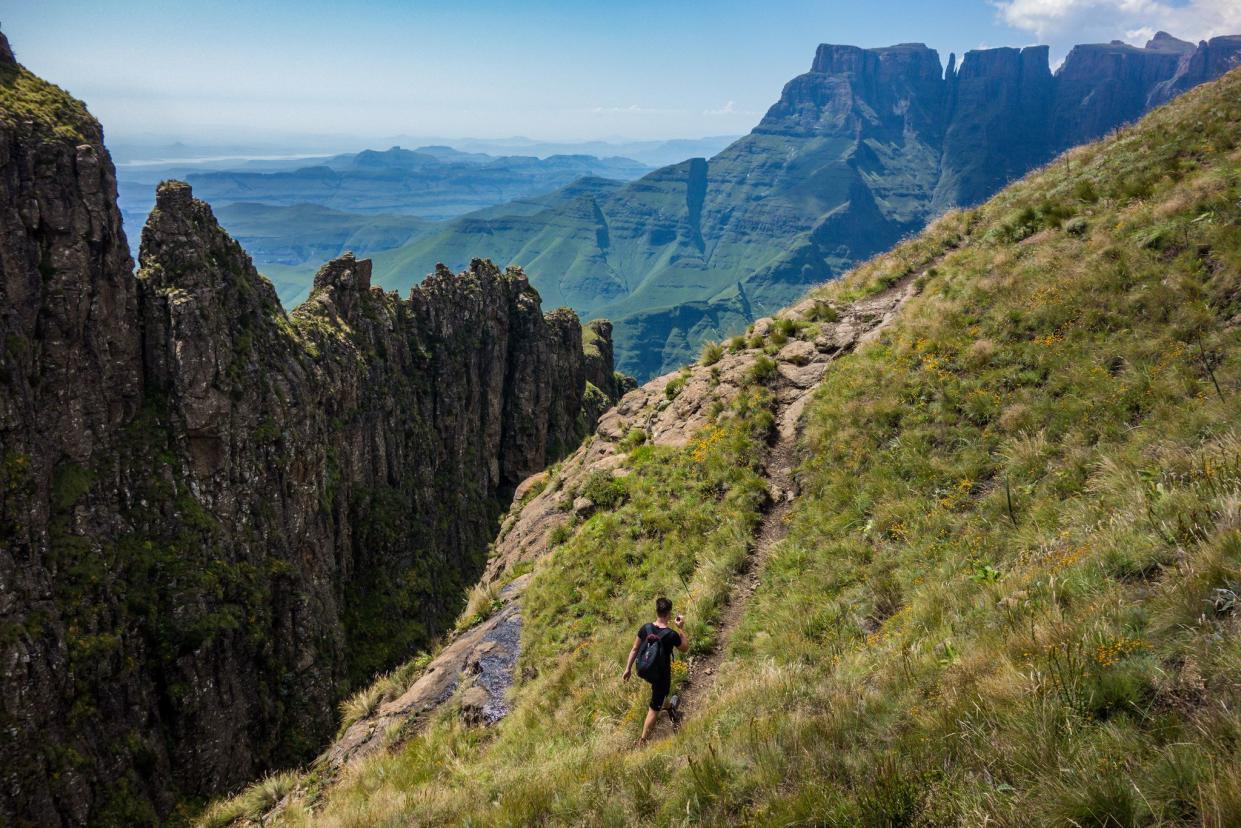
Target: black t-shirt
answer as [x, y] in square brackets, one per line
[669, 639]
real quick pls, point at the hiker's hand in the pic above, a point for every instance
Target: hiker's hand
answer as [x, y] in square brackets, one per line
[625, 675]
[679, 621]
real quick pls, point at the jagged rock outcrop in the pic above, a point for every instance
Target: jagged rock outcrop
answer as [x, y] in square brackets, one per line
[476, 665]
[858, 152]
[217, 518]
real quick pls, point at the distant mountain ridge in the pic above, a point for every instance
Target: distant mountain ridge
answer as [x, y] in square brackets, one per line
[303, 211]
[430, 182]
[289, 242]
[861, 150]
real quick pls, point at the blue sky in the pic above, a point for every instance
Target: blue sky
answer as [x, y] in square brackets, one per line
[222, 70]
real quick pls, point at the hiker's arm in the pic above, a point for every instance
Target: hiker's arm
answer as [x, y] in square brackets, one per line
[633, 653]
[684, 636]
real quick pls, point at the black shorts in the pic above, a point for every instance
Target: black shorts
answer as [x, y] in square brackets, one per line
[659, 691]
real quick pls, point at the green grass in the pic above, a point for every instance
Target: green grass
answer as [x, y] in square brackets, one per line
[50, 110]
[1008, 594]
[679, 525]
[712, 352]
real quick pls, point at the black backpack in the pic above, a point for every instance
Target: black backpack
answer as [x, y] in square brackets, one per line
[648, 654]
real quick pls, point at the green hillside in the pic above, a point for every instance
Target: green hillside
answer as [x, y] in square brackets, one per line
[289, 243]
[1006, 594]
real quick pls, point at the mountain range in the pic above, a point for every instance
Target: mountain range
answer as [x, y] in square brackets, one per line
[861, 150]
[218, 518]
[432, 182]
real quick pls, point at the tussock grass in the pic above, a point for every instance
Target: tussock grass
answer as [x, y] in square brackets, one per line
[711, 352]
[253, 802]
[1009, 590]
[483, 601]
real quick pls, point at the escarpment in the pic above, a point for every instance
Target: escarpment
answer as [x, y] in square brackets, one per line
[216, 517]
[858, 152]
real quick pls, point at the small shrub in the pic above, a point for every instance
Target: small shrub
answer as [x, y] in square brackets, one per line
[633, 438]
[1135, 188]
[1083, 190]
[786, 327]
[361, 704]
[1097, 800]
[824, 312]
[1019, 225]
[736, 344]
[674, 386]
[604, 490]
[482, 603]
[561, 533]
[402, 677]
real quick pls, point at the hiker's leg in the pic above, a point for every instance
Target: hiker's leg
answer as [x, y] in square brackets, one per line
[659, 691]
[651, 714]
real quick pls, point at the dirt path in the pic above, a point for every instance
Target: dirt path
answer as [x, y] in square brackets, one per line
[859, 323]
[778, 469]
[477, 664]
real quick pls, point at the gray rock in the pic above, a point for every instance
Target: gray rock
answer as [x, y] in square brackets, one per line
[797, 352]
[207, 501]
[473, 703]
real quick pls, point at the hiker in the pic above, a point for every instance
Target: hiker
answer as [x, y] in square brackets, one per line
[652, 650]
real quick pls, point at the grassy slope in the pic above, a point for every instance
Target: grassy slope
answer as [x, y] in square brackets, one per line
[48, 109]
[1007, 591]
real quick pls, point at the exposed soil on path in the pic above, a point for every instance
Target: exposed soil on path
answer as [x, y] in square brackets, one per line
[474, 669]
[859, 323]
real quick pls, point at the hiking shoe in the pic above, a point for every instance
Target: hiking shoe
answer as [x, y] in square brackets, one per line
[673, 713]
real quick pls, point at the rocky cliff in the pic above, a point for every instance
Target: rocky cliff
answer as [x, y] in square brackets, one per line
[858, 152]
[217, 518]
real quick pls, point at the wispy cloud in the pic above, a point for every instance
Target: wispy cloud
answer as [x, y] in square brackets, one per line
[730, 108]
[1134, 21]
[632, 109]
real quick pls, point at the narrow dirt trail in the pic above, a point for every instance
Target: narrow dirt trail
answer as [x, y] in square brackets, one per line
[477, 664]
[778, 469]
[475, 667]
[858, 324]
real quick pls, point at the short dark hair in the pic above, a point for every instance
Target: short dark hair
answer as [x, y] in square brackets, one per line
[662, 607]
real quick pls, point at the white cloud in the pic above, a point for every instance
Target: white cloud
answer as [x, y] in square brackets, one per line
[1061, 22]
[730, 108]
[612, 110]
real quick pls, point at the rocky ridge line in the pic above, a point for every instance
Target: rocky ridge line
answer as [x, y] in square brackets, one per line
[475, 667]
[217, 518]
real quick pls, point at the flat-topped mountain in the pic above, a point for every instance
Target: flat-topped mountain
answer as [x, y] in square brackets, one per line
[858, 152]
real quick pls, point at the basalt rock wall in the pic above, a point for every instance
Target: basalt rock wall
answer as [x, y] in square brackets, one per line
[216, 517]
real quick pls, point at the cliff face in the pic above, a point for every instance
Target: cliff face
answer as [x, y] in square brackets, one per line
[1010, 114]
[216, 518]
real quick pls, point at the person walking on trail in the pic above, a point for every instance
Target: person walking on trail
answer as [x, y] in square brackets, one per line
[652, 653]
